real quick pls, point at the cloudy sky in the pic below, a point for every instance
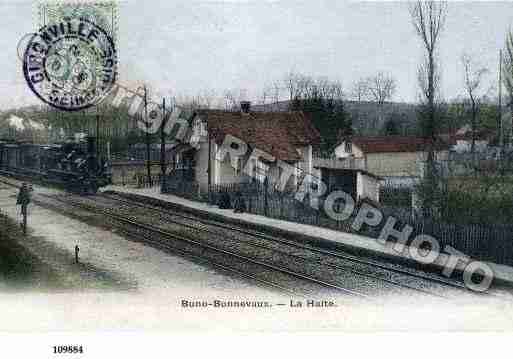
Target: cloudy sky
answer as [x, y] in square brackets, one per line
[187, 47]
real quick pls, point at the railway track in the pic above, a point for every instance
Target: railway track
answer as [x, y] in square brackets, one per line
[191, 221]
[273, 276]
[301, 261]
[296, 283]
[249, 248]
[300, 258]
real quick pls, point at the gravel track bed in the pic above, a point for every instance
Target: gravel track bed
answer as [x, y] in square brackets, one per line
[356, 278]
[324, 261]
[282, 281]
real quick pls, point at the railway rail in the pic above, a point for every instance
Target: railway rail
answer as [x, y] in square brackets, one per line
[219, 243]
[272, 246]
[277, 277]
[241, 261]
[337, 255]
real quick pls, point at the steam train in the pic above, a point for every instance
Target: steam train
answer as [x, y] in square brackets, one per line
[73, 165]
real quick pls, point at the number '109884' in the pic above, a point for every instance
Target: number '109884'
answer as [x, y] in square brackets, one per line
[68, 349]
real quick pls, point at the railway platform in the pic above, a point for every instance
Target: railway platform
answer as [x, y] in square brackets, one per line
[353, 243]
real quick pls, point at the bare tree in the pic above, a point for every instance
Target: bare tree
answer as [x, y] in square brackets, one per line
[265, 96]
[276, 91]
[205, 99]
[473, 77]
[507, 72]
[271, 95]
[428, 18]
[290, 83]
[381, 87]
[360, 89]
[232, 99]
[323, 99]
[304, 87]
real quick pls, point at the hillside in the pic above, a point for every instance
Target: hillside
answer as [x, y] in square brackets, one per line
[366, 115]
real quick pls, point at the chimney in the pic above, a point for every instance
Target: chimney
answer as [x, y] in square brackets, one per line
[245, 106]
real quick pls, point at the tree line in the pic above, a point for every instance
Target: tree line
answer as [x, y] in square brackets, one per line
[335, 111]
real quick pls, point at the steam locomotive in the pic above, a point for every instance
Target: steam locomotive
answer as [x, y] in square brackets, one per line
[73, 165]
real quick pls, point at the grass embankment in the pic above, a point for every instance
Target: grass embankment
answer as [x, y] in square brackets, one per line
[477, 200]
[18, 267]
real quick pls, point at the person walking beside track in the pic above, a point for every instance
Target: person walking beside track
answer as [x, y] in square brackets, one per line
[23, 199]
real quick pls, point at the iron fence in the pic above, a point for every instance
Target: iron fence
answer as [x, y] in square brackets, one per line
[480, 241]
[141, 180]
[261, 199]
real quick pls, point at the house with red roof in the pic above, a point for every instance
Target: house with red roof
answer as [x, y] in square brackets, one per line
[390, 156]
[461, 140]
[285, 136]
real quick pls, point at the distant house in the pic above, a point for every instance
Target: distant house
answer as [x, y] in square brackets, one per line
[391, 157]
[461, 140]
[287, 136]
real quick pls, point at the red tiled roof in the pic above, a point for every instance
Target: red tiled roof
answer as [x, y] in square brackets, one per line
[277, 133]
[480, 135]
[379, 144]
[465, 134]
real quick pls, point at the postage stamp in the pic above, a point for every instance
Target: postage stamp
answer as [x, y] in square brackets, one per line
[102, 13]
[70, 62]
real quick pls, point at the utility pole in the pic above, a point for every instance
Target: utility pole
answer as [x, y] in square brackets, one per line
[148, 165]
[209, 167]
[163, 147]
[97, 135]
[500, 125]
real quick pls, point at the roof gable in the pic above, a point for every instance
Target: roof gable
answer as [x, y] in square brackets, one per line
[387, 144]
[277, 133]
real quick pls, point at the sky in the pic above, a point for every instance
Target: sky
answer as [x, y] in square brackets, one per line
[189, 47]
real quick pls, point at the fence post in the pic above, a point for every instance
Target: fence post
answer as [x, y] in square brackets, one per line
[24, 213]
[266, 199]
[76, 254]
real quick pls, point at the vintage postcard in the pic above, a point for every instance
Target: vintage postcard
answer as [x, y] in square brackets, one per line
[254, 167]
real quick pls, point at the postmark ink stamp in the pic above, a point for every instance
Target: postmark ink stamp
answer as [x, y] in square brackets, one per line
[71, 62]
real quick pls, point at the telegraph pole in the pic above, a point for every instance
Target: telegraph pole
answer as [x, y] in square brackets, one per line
[163, 147]
[148, 165]
[209, 167]
[501, 127]
[97, 135]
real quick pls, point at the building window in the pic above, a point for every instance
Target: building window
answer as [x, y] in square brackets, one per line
[238, 166]
[348, 147]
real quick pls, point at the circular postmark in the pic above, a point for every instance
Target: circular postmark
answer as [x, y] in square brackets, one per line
[70, 65]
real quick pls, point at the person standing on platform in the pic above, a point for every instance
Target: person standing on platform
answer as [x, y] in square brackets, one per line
[239, 205]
